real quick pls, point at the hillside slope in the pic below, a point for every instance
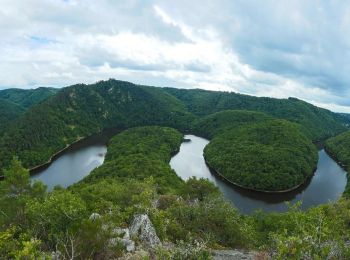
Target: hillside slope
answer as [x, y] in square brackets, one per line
[8, 112]
[81, 110]
[320, 123]
[26, 98]
[339, 148]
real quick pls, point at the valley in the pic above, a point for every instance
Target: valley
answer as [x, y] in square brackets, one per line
[265, 146]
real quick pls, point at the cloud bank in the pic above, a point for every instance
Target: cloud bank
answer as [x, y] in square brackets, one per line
[270, 48]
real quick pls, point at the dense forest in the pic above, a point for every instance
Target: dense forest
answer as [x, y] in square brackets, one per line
[319, 123]
[191, 218]
[339, 148]
[220, 122]
[259, 143]
[8, 112]
[81, 110]
[271, 155]
[26, 98]
[14, 102]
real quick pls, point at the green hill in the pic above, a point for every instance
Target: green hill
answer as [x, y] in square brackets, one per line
[26, 98]
[8, 112]
[320, 123]
[14, 102]
[219, 122]
[271, 155]
[339, 148]
[81, 110]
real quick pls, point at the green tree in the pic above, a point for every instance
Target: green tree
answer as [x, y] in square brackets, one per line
[15, 192]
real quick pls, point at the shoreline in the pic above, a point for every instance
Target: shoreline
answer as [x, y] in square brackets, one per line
[54, 156]
[219, 175]
[34, 170]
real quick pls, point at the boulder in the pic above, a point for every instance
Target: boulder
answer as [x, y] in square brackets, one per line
[142, 228]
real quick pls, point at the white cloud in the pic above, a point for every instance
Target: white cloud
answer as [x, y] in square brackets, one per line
[227, 45]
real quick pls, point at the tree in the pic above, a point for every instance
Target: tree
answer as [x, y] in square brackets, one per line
[15, 192]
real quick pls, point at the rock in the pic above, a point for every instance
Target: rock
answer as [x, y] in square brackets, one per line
[127, 243]
[236, 255]
[121, 232]
[123, 237]
[94, 216]
[57, 255]
[142, 227]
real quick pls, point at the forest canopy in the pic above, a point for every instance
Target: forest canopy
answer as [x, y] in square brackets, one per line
[271, 155]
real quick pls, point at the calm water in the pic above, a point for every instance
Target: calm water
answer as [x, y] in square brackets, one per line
[326, 185]
[76, 162]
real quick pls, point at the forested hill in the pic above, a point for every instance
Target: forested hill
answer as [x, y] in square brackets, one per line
[26, 98]
[14, 102]
[81, 110]
[320, 123]
[8, 111]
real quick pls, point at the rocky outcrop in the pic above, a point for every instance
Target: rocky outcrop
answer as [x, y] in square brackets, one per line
[123, 237]
[142, 228]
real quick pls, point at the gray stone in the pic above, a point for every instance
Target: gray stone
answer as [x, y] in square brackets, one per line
[142, 227]
[94, 216]
[127, 243]
[121, 231]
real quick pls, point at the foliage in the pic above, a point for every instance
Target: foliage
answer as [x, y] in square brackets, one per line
[319, 123]
[220, 122]
[8, 112]
[272, 155]
[139, 153]
[339, 147]
[192, 219]
[26, 98]
[320, 233]
[14, 102]
[81, 110]
[15, 191]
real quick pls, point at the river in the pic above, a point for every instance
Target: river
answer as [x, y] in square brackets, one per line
[327, 184]
[73, 164]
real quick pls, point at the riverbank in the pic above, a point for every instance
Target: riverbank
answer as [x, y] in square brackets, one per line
[222, 177]
[346, 193]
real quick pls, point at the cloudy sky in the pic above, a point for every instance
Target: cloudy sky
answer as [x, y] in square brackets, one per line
[264, 48]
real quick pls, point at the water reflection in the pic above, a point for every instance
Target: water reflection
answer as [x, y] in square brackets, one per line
[327, 184]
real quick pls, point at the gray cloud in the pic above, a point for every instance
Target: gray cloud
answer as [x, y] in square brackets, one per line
[274, 48]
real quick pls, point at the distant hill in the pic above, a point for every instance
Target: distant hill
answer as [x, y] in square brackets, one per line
[26, 98]
[8, 112]
[319, 122]
[14, 102]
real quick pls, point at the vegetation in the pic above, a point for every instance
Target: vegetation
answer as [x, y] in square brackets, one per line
[193, 219]
[251, 148]
[26, 98]
[8, 112]
[339, 147]
[81, 110]
[220, 122]
[14, 102]
[271, 155]
[319, 123]
[139, 153]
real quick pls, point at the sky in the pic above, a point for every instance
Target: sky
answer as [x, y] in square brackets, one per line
[264, 48]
